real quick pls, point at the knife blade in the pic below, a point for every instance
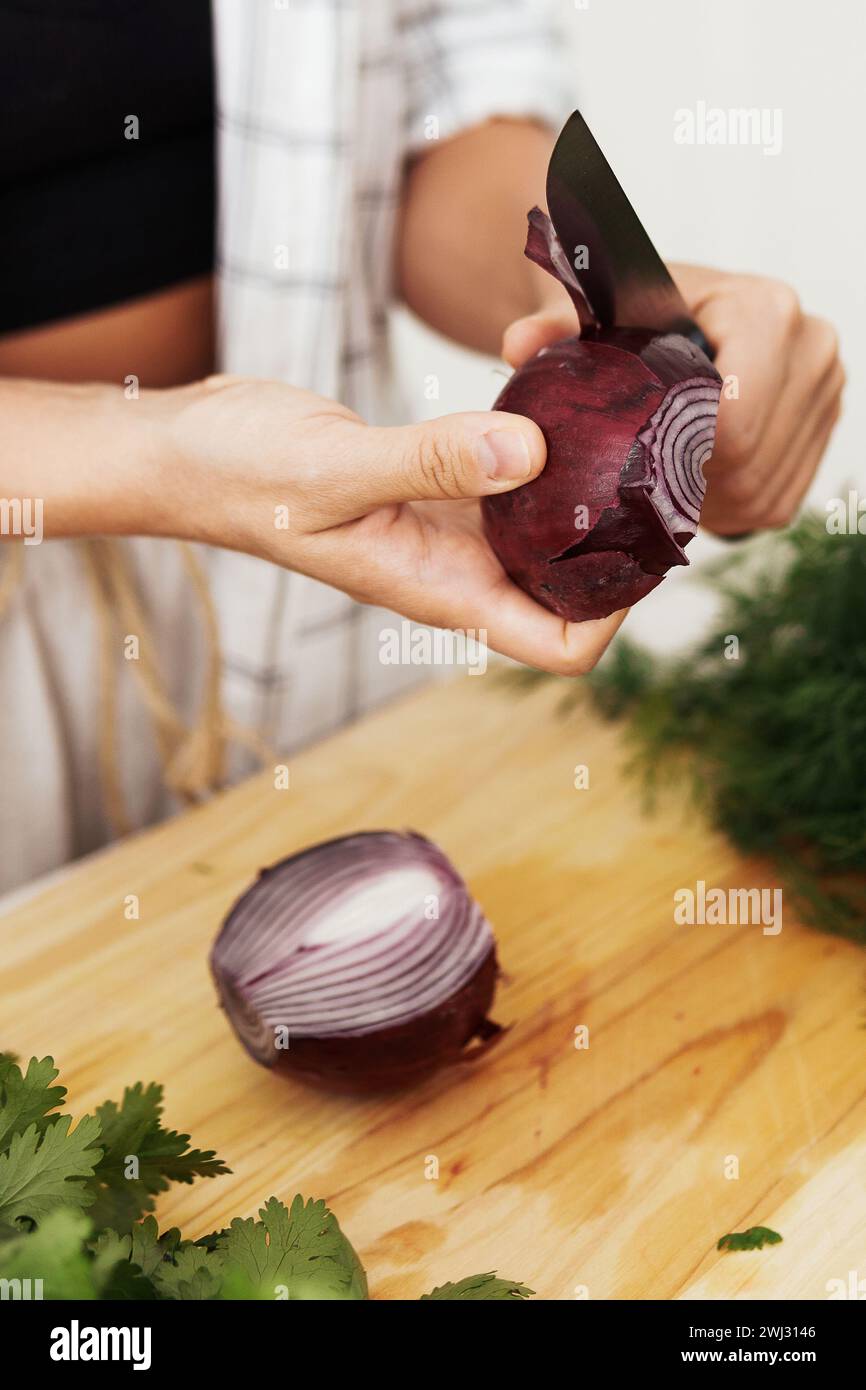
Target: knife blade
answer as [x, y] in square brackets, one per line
[623, 276]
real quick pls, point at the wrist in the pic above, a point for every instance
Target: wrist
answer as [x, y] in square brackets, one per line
[200, 438]
[130, 479]
[165, 488]
[182, 451]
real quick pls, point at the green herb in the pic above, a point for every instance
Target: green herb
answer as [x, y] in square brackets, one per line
[481, 1287]
[302, 1249]
[769, 729]
[755, 1238]
[74, 1211]
[42, 1171]
[54, 1252]
[135, 1160]
[134, 1129]
[26, 1099]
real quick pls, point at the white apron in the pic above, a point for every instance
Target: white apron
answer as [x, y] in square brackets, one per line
[319, 103]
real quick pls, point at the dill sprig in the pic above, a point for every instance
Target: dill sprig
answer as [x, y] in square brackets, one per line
[773, 741]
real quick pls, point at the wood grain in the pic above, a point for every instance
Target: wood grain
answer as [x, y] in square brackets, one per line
[598, 1172]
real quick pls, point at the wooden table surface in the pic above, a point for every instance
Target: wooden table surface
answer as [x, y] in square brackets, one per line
[605, 1171]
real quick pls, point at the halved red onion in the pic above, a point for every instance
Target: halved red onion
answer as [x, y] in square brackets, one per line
[361, 963]
[629, 417]
[679, 440]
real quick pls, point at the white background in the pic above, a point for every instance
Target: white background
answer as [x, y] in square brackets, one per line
[798, 215]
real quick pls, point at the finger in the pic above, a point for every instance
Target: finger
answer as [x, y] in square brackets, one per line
[527, 336]
[523, 630]
[753, 335]
[526, 632]
[360, 467]
[784, 508]
[738, 482]
[742, 500]
[516, 626]
[797, 453]
[506, 619]
[728, 515]
[748, 493]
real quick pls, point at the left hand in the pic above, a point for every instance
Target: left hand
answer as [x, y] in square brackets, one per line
[771, 437]
[390, 515]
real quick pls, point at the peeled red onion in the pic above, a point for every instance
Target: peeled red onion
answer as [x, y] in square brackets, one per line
[362, 963]
[629, 418]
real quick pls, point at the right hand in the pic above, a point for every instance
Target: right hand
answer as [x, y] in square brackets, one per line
[390, 516]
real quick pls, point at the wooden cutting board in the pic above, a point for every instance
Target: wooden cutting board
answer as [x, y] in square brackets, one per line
[724, 1085]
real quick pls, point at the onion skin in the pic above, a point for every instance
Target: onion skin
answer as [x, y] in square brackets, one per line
[628, 416]
[347, 997]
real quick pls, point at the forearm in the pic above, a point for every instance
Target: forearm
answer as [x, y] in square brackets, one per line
[461, 266]
[99, 463]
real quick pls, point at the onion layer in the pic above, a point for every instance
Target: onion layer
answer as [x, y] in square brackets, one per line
[361, 963]
[629, 418]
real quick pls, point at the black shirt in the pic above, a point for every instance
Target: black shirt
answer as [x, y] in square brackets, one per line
[106, 152]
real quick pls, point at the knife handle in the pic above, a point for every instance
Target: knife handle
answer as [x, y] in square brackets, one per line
[695, 336]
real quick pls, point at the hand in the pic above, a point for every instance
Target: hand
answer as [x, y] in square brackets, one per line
[789, 377]
[390, 516]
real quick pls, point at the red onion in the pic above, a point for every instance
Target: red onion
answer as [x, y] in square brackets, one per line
[629, 418]
[361, 963]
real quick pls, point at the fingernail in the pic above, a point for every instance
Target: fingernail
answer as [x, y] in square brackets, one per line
[504, 455]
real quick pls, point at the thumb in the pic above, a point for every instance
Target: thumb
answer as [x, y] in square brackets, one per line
[468, 455]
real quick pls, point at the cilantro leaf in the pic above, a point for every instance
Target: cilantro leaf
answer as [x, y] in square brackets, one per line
[114, 1164]
[41, 1172]
[755, 1238]
[127, 1266]
[54, 1253]
[149, 1248]
[213, 1239]
[124, 1126]
[114, 1272]
[167, 1157]
[125, 1282]
[27, 1098]
[7, 1060]
[141, 1158]
[296, 1253]
[480, 1287]
[192, 1274]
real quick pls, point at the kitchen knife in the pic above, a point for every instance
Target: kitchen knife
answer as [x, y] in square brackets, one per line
[621, 273]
